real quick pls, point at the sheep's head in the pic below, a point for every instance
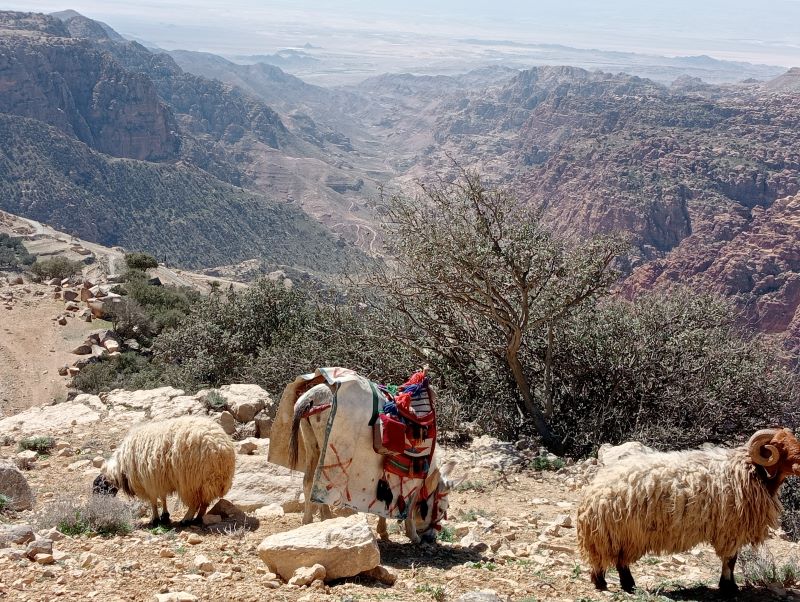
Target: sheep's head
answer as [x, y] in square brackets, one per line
[778, 451]
[111, 479]
[430, 511]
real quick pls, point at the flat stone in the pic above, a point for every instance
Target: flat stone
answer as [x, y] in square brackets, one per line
[344, 546]
[17, 534]
[258, 483]
[176, 597]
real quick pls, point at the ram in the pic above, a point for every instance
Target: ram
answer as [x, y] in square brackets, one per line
[191, 456]
[663, 503]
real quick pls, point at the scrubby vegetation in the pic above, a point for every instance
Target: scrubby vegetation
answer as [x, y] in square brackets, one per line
[140, 261]
[13, 254]
[100, 515]
[41, 444]
[521, 331]
[57, 267]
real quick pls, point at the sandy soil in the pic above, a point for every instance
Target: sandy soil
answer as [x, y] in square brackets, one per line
[33, 346]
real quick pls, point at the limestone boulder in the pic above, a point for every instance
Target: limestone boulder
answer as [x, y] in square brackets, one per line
[344, 546]
[258, 483]
[19, 534]
[609, 454]
[15, 487]
[245, 401]
[59, 418]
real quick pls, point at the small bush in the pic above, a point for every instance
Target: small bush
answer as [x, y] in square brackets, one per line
[41, 445]
[100, 515]
[13, 254]
[434, 591]
[5, 502]
[57, 267]
[760, 568]
[215, 402]
[447, 534]
[541, 463]
[790, 518]
[140, 261]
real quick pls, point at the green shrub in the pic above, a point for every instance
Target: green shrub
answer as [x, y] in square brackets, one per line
[215, 402]
[100, 515]
[56, 267]
[670, 370]
[447, 534]
[13, 254]
[128, 370]
[41, 444]
[5, 502]
[542, 463]
[140, 261]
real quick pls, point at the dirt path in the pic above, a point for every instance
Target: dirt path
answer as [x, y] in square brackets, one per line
[33, 346]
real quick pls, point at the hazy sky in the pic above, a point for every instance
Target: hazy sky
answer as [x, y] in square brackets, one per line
[765, 31]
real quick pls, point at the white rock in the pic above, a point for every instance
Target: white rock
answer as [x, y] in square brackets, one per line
[203, 564]
[307, 574]
[15, 487]
[176, 597]
[60, 418]
[245, 401]
[25, 459]
[79, 464]
[608, 454]
[344, 546]
[258, 483]
[269, 512]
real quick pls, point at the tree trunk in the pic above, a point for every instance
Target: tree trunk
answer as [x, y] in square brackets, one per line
[549, 439]
[548, 374]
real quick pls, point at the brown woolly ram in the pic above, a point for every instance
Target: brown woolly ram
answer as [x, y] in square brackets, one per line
[191, 456]
[663, 503]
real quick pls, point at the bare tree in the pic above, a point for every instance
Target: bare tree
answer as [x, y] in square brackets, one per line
[472, 266]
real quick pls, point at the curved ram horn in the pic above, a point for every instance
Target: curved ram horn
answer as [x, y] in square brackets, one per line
[758, 442]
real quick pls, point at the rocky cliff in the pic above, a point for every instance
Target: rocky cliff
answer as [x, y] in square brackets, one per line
[47, 75]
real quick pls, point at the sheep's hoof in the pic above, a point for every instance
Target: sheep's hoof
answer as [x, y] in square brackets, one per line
[728, 587]
[164, 519]
[599, 581]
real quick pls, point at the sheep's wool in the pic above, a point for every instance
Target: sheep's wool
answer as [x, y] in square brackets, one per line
[664, 503]
[190, 456]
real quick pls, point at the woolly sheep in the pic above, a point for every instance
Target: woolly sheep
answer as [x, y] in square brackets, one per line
[427, 513]
[663, 503]
[189, 455]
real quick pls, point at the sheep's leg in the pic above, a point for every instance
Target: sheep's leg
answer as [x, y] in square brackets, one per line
[625, 578]
[154, 505]
[599, 579]
[727, 584]
[187, 520]
[383, 532]
[164, 518]
[200, 513]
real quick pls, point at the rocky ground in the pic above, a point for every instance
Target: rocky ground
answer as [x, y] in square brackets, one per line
[510, 528]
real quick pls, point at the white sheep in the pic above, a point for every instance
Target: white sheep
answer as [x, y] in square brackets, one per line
[663, 503]
[191, 456]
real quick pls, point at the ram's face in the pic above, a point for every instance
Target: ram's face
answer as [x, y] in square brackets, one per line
[789, 447]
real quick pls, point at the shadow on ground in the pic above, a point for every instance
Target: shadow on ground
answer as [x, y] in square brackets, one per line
[405, 555]
[705, 593]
